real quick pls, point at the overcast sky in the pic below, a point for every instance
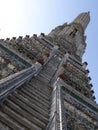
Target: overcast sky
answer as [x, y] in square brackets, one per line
[21, 17]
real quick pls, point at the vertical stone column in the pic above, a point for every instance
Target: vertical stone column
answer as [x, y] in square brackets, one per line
[57, 108]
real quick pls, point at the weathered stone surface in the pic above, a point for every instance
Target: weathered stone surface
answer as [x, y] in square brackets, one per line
[59, 96]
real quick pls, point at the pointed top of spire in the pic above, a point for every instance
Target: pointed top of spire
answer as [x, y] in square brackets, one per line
[88, 12]
[83, 19]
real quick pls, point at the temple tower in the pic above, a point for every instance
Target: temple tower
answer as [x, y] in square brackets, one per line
[44, 85]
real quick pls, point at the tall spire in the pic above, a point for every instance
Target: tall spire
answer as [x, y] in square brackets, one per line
[72, 33]
[83, 19]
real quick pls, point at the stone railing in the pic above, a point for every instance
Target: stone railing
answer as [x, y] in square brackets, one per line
[57, 113]
[12, 82]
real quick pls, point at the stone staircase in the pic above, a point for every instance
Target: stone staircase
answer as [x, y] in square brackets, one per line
[28, 107]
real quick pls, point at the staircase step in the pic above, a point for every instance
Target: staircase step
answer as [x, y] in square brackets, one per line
[31, 88]
[9, 122]
[28, 108]
[33, 95]
[25, 113]
[4, 126]
[19, 119]
[33, 106]
[24, 106]
[37, 84]
[34, 101]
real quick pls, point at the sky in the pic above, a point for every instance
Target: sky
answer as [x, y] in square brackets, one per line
[28, 17]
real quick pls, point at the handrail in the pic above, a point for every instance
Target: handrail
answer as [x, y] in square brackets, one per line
[52, 53]
[54, 77]
[50, 122]
[57, 115]
[12, 82]
[53, 114]
[57, 105]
